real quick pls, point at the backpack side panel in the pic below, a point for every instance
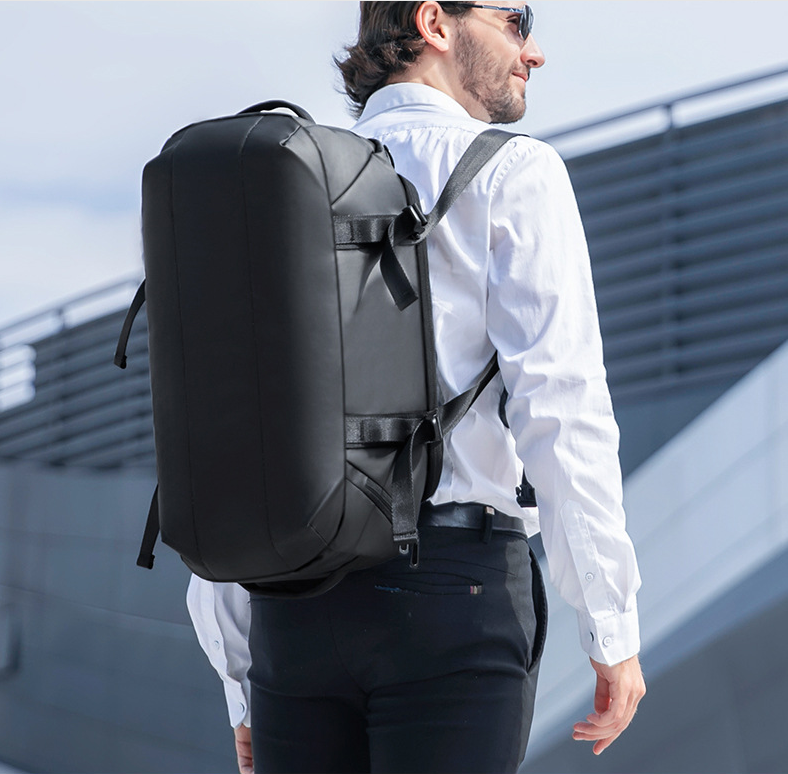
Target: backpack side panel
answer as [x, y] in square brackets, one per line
[387, 364]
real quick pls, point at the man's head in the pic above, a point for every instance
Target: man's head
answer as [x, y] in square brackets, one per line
[474, 54]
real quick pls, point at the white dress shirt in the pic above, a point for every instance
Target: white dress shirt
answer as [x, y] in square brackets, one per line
[510, 273]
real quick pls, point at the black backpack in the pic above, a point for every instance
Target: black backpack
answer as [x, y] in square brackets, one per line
[296, 409]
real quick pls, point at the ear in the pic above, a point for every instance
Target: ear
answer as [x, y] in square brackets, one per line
[431, 24]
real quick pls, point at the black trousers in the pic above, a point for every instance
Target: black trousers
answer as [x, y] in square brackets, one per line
[404, 670]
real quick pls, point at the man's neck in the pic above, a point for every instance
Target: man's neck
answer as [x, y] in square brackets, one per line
[432, 74]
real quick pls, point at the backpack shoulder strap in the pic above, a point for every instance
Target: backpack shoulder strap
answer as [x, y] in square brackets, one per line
[478, 153]
[412, 225]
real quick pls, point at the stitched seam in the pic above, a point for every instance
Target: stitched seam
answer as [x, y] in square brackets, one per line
[338, 299]
[261, 413]
[352, 182]
[183, 360]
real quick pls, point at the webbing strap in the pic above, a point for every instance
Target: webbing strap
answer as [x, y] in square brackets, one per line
[526, 494]
[391, 269]
[479, 152]
[146, 557]
[125, 331]
[452, 412]
[360, 229]
[434, 426]
[374, 429]
[411, 224]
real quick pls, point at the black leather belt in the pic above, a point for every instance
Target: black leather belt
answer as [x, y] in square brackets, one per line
[468, 516]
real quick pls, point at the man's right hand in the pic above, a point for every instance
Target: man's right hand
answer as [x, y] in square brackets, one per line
[619, 689]
[243, 748]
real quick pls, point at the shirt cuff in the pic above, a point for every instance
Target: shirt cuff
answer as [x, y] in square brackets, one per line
[237, 696]
[612, 639]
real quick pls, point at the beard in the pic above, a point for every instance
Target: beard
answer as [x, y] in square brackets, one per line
[487, 80]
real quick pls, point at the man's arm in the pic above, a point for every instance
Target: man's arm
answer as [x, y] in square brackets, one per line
[221, 616]
[542, 320]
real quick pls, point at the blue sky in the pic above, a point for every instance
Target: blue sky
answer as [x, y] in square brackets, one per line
[91, 90]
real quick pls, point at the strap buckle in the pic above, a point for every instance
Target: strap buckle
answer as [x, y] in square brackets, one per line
[409, 545]
[419, 220]
[434, 421]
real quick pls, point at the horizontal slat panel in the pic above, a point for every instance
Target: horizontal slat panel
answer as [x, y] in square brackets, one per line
[757, 185]
[625, 162]
[95, 359]
[137, 452]
[66, 433]
[695, 356]
[684, 307]
[657, 387]
[658, 182]
[45, 412]
[106, 329]
[696, 265]
[700, 329]
[712, 247]
[668, 284]
[666, 227]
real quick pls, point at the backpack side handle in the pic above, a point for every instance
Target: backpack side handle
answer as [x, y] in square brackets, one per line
[277, 103]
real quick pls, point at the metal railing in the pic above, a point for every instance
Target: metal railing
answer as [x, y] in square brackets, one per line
[661, 116]
[17, 356]
[63, 401]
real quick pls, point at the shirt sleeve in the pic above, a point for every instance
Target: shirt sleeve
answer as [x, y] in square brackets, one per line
[542, 319]
[221, 616]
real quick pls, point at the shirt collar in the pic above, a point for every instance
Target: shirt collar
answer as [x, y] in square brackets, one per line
[411, 96]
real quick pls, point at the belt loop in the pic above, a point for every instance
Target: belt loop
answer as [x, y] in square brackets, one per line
[489, 512]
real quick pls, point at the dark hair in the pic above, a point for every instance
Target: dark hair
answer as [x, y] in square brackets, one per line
[388, 42]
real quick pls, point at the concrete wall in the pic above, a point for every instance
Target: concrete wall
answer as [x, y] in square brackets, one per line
[709, 517]
[100, 670]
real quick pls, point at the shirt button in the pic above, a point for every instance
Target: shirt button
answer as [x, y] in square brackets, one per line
[216, 644]
[242, 706]
[589, 576]
[607, 642]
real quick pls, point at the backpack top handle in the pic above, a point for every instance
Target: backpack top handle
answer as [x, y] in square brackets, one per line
[271, 104]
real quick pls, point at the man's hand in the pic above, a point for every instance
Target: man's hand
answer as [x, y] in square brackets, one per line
[243, 748]
[619, 689]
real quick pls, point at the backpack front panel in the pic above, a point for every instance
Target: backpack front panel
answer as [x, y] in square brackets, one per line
[231, 372]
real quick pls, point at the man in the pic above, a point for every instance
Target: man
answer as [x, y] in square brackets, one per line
[434, 669]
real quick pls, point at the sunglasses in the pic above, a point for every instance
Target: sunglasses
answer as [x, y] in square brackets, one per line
[526, 16]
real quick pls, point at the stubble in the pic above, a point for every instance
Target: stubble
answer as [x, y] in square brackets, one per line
[487, 80]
